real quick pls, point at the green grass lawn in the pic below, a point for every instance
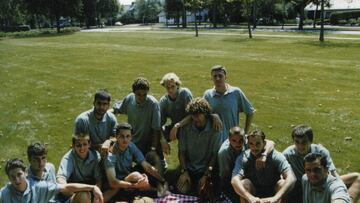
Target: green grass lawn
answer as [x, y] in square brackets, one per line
[47, 81]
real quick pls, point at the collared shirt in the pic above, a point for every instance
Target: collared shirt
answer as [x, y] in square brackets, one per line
[227, 157]
[144, 118]
[36, 192]
[174, 109]
[75, 170]
[275, 165]
[296, 160]
[122, 160]
[332, 189]
[199, 146]
[48, 173]
[228, 106]
[99, 130]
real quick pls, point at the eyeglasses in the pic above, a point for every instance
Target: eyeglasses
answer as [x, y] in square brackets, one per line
[79, 145]
[316, 170]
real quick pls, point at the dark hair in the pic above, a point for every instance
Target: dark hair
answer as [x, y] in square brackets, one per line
[257, 132]
[302, 131]
[102, 94]
[36, 149]
[123, 126]
[78, 136]
[218, 68]
[198, 105]
[311, 157]
[236, 131]
[140, 83]
[14, 163]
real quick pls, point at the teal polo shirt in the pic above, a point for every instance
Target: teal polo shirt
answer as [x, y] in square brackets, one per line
[174, 109]
[75, 170]
[122, 161]
[99, 130]
[36, 192]
[228, 106]
[331, 189]
[48, 174]
[144, 118]
[226, 159]
[199, 146]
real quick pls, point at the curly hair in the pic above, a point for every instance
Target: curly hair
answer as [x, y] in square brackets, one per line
[170, 77]
[36, 149]
[140, 83]
[14, 163]
[198, 105]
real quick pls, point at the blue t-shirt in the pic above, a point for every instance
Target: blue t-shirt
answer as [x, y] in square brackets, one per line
[199, 146]
[122, 161]
[175, 109]
[48, 174]
[226, 159]
[75, 170]
[36, 192]
[99, 131]
[144, 118]
[332, 189]
[228, 106]
[275, 165]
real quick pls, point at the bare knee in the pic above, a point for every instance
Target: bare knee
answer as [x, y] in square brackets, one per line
[81, 197]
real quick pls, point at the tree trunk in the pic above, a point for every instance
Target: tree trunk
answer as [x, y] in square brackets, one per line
[254, 14]
[321, 38]
[57, 24]
[248, 18]
[214, 20]
[302, 16]
[196, 27]
[184, 16]
[314, 23]
[178, 18]
[283, 15]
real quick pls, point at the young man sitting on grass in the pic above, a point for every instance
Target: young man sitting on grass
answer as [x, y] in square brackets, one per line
[81, 165]
[21, 189]
[123, 176]
[39, 169]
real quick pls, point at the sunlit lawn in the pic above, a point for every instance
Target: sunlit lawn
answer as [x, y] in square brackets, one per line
[47, 81]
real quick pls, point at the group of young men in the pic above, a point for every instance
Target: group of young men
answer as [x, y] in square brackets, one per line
[111, 162]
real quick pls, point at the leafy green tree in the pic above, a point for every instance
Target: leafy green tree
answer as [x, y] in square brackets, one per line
[147, 10]
[11, 12]
[195, 6]
[107, 9]
[173, 9]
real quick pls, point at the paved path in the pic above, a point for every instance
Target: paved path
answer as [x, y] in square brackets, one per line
[256, 33]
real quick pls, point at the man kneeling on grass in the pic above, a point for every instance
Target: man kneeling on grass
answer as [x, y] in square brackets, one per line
[120, 171]
[21, 189]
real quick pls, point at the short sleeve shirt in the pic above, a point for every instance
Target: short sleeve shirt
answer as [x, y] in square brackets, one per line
[275, 165]
[199, 146]
[76, 170]
[99, 130]
[174, 109]
[332, 189]
[228, 106]
[122, 161]
[144, 118]
[41, 191]
[226, 158]
[297, 161]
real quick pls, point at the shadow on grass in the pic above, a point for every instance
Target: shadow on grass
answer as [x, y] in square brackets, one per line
[242, 39]
[41, 33]
[331, 44]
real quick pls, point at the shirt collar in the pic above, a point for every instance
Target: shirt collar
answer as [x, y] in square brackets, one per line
[89, 158]
[92, 116]
[27, 190]
[31, 174]
[229, 90]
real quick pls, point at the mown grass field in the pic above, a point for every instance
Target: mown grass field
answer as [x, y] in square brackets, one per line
[47, 81]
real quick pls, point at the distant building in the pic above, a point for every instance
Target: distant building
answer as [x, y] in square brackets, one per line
[335, 5]
[190, 18]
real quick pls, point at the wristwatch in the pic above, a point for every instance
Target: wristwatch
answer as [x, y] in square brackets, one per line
[263, 154]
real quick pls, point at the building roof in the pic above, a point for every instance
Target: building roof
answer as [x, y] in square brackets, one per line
[337, 5]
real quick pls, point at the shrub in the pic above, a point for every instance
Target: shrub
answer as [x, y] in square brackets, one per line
[336, 17]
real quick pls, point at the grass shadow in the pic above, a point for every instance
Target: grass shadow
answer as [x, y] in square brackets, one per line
[242, 39]
[330, 44]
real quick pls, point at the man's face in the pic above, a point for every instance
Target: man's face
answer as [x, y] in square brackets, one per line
[140, 95]
[37, 163]
[199, 120]
[171, 88]
[315, 172]
[236, 142]
[123, 139]
[302, 145]
[218, 77]
[256, 145]
[17, 178]
[101, 107]
[81, 147]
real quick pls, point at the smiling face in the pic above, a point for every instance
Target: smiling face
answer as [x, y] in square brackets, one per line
[171, 88]
[315, 172]
[17, 178]
[81, 147]
[302, 145]
[236, 142]
[256, 145]
[37, 162]
[123, 138]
